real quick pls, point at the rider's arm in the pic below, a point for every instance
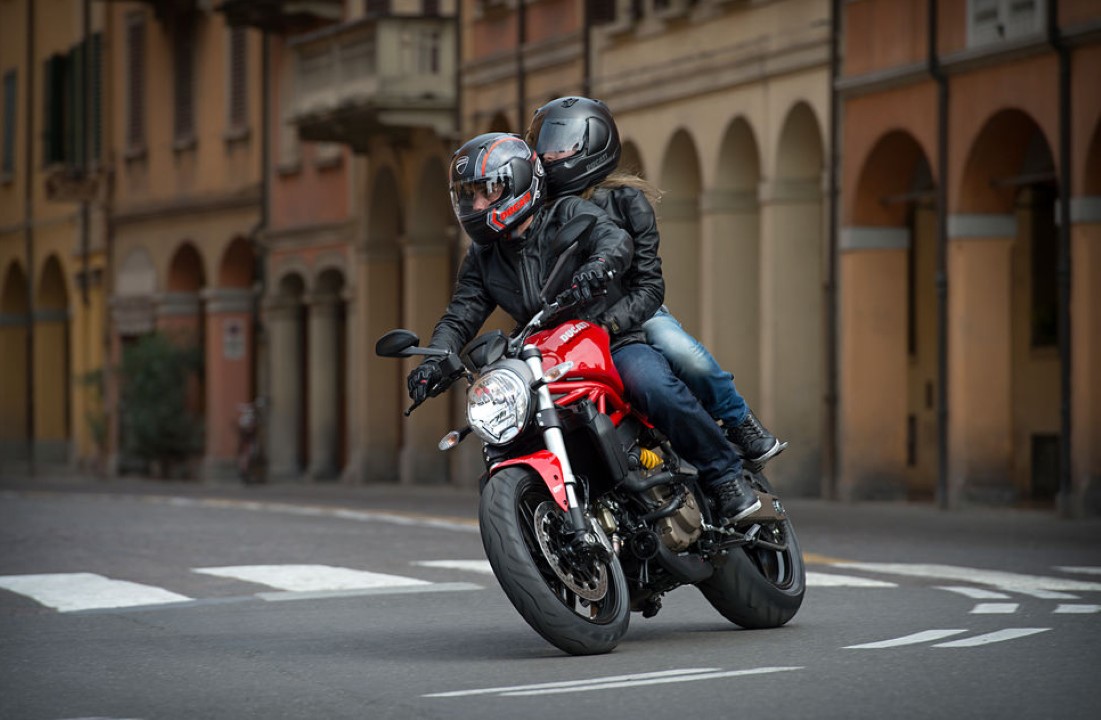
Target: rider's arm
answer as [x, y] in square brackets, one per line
[645, 286]
[469, 308]
[606, 242]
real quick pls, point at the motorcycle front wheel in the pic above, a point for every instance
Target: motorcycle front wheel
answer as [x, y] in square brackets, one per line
[579, 606]
[759, 586]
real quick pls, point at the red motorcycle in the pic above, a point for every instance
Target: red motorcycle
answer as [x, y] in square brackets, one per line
[586, 512]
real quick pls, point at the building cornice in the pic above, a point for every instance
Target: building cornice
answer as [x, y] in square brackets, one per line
[186, 205]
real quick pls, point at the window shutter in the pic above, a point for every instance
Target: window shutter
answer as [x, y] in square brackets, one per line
[238, 78]
[185, 80]
[53, 140]
[95, 88]
[601, 12]
[135, 121]
[74, 107]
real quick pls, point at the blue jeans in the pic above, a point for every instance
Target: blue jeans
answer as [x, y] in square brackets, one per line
[697, 367]
[654, 389]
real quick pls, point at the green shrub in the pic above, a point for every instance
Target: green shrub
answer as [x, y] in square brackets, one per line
[157, 427]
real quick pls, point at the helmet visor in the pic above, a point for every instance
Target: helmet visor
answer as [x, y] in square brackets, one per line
[559, 139]
[470, 196]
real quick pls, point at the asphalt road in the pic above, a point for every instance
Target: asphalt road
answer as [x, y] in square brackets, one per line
[335, 602]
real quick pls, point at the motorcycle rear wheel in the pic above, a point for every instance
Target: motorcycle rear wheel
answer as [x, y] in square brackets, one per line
[758, 587]
[520, 533]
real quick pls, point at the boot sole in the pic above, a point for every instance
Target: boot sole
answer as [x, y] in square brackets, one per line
[772, 452]
[747, 512]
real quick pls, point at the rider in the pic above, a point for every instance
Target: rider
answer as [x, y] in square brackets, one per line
[498, 194]
[578, 142]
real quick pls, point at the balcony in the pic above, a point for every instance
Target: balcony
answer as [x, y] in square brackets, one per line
[282, 16]
[376, 76]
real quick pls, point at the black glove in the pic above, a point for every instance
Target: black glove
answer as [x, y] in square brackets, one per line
[423, 380]
[589, 281]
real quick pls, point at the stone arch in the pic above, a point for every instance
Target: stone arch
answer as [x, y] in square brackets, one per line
[52, 421]
[732, 249]
[792, 309]
[889, 339]
[630, 160]
[499, 123]
[236, 267]
[13, 362]
[679, 220]
[185, 270]
[326, 373]
[1004, 379]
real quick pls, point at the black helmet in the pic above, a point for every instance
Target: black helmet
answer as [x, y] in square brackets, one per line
[506, 174]
[586, 130]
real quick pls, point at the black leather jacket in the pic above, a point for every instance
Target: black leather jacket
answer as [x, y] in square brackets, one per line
[510, 273]
[643, 284]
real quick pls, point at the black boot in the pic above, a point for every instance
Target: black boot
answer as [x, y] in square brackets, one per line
[758, 445]
[735, 497]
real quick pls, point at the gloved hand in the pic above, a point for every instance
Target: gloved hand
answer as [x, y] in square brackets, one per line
[423, 380]
[589, 281]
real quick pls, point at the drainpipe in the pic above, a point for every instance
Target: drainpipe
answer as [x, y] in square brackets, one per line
[830, 454]
[1055, 39]
[259, 271]
[941, 80]
[85, 155]
[586, 49]
[521, 38]
[28, 234]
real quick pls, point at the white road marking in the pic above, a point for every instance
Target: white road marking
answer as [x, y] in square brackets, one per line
[71, 592]
[654, 681]
[976, 593]
[1047, 594]
[1012, 582]
[914, 639]
[610, 682]
[1072, 609]
[817, 579]
[1083, 570]
[993, 637]
[310, 578]
[995, 609]
[478, 566]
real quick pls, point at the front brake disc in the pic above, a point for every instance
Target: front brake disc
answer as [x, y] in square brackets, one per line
[589, 582]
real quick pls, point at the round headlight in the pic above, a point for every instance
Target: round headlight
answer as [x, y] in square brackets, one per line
[497, 406]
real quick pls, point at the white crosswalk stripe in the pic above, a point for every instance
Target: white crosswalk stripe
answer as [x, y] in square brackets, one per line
[72, 592]
[995, 609]
[310, 578]
[992, 637]
[818, 579]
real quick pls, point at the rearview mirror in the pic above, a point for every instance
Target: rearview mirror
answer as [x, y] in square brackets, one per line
[396, 343]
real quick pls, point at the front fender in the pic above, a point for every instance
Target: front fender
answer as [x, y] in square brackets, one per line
[547, 466]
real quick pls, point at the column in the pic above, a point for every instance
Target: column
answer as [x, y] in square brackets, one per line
[229, 367]
[1085, 334]
[382, 397]
[284, 411]
[980, 408]
[872, 362]
[324, 381]
[427, 288]
[731, 290]
[792, 348]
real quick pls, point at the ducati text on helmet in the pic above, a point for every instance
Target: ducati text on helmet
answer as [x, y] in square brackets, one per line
[577, 140]
[496, 183]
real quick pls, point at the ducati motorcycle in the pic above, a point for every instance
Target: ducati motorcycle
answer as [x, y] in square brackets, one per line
[586, 512]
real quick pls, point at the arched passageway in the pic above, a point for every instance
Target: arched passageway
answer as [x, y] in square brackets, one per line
[285, 320]
[52, 421]
[13, 363]
[679, 224]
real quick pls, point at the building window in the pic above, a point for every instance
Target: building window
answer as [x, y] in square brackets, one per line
[7, 160]
[238, 79]
[135, 82]
[428, 53]
[990, 21]
[184, 83]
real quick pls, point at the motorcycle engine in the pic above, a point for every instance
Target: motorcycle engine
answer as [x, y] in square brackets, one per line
[679, 530]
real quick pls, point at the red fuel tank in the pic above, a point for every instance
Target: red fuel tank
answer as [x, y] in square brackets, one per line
[586, 344]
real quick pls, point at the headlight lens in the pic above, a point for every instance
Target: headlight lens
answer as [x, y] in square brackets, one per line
[497, 406]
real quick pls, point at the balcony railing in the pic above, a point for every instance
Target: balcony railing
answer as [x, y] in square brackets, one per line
[282, 16]
[380, 75]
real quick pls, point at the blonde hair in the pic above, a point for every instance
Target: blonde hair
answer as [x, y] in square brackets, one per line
[621, 178]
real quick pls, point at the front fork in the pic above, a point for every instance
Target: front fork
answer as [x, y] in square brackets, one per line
[546, 414]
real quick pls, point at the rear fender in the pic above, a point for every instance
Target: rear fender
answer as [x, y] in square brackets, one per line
[547, 466]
